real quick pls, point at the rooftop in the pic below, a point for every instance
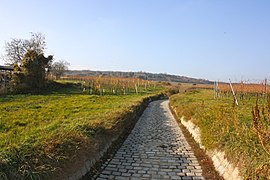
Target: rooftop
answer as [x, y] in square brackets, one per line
[6, 68]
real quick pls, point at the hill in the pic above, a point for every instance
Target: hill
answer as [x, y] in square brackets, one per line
[141, 75]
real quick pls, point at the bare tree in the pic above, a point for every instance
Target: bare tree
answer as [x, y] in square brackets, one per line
[37, 42]
[17, 48]
[14, 51]
[59, 68]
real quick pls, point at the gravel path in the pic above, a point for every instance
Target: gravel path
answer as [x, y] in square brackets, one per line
[155, 149]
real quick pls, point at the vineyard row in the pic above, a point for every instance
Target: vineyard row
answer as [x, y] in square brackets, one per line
[112, 85]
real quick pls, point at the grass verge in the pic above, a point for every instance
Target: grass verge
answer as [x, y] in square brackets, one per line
[208, 170]
[226, 127]
[40, 133]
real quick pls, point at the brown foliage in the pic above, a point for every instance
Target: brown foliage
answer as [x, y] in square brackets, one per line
[261, 126]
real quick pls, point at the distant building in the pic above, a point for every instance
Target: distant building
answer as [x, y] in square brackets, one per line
[6, 68]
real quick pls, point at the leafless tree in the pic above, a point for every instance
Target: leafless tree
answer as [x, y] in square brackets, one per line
[59, 68]
[37, 42]
[16, 48]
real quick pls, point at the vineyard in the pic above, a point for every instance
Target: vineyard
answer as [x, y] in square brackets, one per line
[112, 85]
[242, 91]
[245, 88]
[235, 118]
[238, 87]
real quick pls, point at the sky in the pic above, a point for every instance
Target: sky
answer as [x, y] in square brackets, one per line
[209, 39]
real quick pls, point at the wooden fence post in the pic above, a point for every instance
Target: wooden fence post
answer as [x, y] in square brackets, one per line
[236, 102]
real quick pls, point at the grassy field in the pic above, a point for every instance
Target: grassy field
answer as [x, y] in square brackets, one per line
[226, 126]
[38, 132]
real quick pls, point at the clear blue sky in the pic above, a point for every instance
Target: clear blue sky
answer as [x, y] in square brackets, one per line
[216, 40]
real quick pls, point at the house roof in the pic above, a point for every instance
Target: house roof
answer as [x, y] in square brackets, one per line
[6, 68]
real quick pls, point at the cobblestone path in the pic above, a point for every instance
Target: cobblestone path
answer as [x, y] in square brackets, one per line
[155, 149]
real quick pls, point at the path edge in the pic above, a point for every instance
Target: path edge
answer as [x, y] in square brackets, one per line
[93, 166]
[222, 166]
[208, 168]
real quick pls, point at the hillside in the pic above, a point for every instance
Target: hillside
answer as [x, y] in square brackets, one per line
[141, 75]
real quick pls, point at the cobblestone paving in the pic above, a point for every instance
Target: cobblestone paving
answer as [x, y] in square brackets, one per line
[155, 149]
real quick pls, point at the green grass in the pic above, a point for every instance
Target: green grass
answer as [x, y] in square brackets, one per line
[224, 126]
[39, 131]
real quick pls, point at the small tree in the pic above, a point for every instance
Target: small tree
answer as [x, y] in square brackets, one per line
[16, 49]
[59, 68]
[31, 74]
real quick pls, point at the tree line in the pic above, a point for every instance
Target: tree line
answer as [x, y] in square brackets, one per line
[31, 68]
